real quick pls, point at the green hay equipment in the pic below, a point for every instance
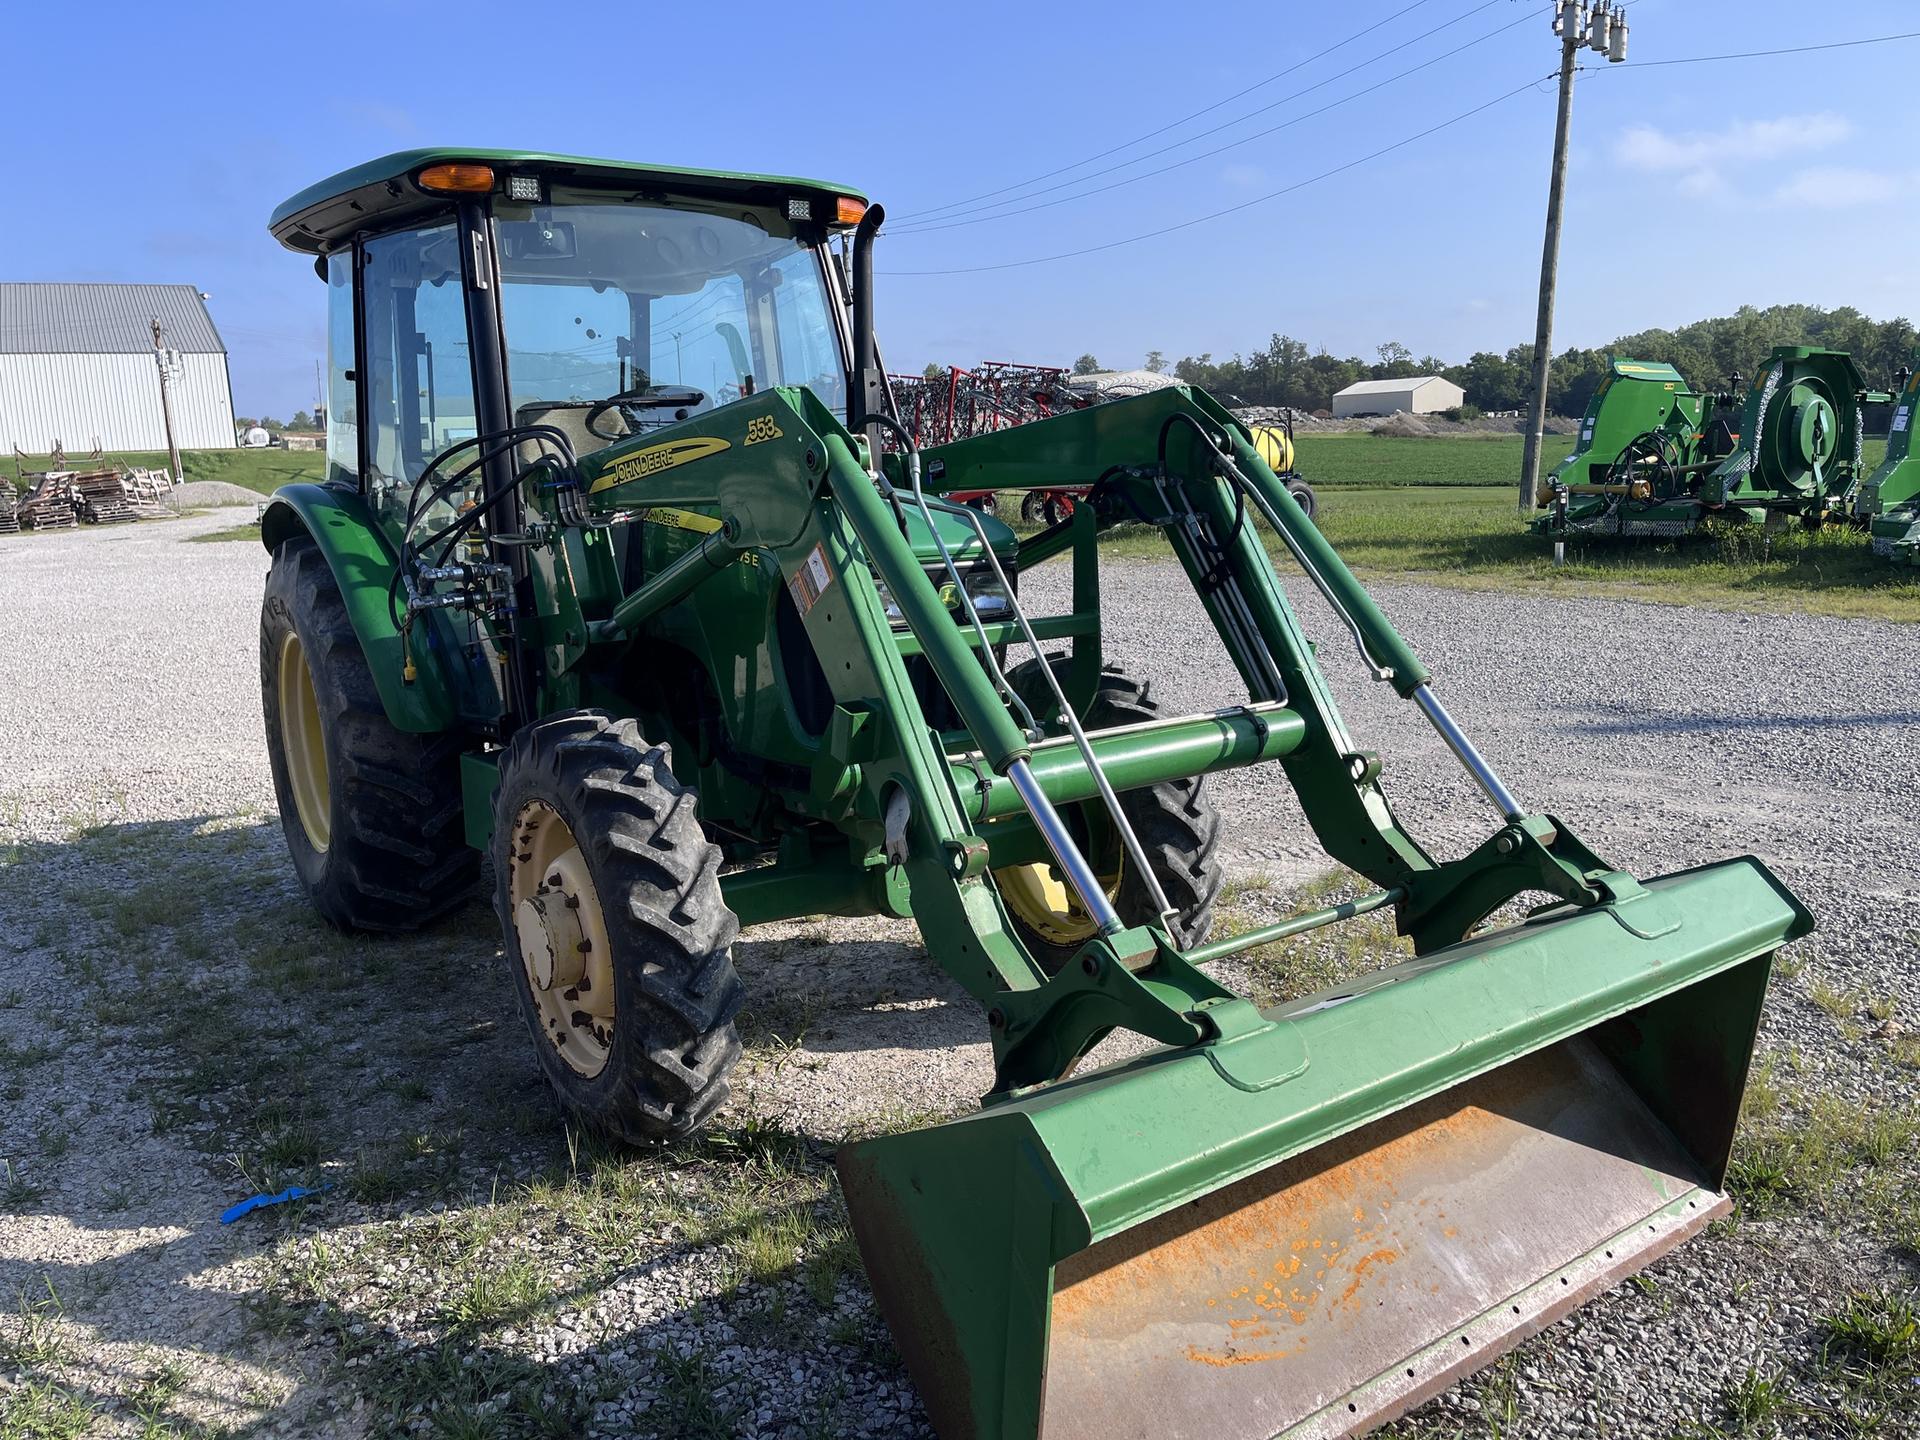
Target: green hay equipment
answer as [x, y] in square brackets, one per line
[1888, 502]
[1794, 452]
[611, 581]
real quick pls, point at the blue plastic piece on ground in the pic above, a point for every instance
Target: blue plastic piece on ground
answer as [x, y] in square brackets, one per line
[292, 1192]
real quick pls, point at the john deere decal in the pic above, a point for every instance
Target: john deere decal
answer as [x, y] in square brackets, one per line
[655, 458]
[681, 519]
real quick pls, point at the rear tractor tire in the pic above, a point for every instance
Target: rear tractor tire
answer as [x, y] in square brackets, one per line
[1175, 821]
[619, 941]
[371, 813]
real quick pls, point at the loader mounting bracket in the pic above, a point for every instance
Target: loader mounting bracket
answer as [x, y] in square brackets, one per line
[1134, 980]
[1535, 852]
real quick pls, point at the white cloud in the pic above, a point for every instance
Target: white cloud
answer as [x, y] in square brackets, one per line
[1704, 160]
[1838, 186]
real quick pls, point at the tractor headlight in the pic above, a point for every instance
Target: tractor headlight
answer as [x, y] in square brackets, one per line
[991, 602]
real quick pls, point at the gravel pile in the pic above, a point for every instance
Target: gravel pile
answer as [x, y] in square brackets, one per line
[223, 1042]
[198, 494]
[1402, 424]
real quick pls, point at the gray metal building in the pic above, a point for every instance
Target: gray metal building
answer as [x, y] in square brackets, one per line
[77, 367]
[1416, 395]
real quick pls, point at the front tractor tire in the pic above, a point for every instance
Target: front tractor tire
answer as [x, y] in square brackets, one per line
[619, 941]
[371, 813]
[1175, 821]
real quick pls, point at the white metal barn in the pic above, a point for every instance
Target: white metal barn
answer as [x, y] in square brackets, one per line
[1417, 395]
[77, 365]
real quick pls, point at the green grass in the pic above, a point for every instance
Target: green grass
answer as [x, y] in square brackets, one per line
[1830, 1156]
[41, 1410]
[261, 470]
[248, 532]
[1332, 461]
[1871, 1349]
[1470, 536]
[1375, 460]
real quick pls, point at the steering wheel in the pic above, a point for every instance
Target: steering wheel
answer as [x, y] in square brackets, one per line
[641, 397]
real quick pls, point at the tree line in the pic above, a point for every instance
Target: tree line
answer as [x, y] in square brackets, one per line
[1707, 353]
[301, 421]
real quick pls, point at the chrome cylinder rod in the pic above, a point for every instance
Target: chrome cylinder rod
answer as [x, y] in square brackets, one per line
[1477, 767]
[1065, 853]
[1294, 925]
[1128, 840]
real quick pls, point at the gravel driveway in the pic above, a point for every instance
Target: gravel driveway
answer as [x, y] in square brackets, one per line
[177, 1033]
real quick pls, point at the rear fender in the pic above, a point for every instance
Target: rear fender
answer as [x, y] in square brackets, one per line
[340, 522]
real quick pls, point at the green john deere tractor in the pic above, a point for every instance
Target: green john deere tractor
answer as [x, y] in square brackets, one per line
[1793, 453]
[1888, 502]
[613, 581]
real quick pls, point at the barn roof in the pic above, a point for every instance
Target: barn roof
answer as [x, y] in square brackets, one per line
[44, 319]
[1388, 387]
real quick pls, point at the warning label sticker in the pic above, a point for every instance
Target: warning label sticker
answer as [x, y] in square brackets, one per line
[811, 580]
[1900, 418]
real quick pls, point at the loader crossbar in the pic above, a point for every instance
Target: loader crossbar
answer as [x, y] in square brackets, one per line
[1135, 756]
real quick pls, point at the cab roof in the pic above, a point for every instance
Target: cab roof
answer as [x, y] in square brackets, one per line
[324, 216]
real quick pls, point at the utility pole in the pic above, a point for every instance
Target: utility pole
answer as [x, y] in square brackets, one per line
[166, 362]
[1604, 29]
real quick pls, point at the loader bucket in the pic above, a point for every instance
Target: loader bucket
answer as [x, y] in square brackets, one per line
[1306, 1230]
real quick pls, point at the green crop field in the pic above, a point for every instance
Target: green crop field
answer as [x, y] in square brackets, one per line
[1471, 536]
[1334, 460]
[262, 470]
[1330, 460]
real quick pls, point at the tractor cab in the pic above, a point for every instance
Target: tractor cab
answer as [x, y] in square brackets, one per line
[570, 304]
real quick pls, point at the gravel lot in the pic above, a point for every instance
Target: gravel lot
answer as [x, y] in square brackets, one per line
[177, 1033]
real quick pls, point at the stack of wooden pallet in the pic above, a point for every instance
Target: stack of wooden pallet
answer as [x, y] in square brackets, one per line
[100, 497]
[147, 492]
[49, 504]
[9, 507]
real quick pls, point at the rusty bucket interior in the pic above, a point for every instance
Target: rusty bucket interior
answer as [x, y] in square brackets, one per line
[1345, 1284]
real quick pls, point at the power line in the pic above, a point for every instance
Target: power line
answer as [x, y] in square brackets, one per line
[1176, 124]
[911, 224]
[1243, 205]
[1764, 54]
[1023, 209]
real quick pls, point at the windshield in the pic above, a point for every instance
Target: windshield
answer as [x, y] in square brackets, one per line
[622, 314]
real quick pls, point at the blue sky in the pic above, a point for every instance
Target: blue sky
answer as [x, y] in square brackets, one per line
[1694, 188]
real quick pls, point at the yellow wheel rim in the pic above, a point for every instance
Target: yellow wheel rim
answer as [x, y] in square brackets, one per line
[303, 741]
[562, 935]
[1040, 899]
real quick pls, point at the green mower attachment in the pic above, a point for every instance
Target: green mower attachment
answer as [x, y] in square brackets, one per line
[1643, 419]
[614, 579]
[1794, 453]
[1888, 503]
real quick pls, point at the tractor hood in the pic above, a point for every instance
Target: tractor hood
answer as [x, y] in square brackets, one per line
[955, 527]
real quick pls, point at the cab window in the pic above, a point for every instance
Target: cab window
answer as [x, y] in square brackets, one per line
[418, 385]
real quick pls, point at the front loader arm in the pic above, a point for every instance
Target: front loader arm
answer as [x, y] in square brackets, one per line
[1178, 459]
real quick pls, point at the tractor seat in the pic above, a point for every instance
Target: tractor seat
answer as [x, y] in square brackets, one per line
[570, 418]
